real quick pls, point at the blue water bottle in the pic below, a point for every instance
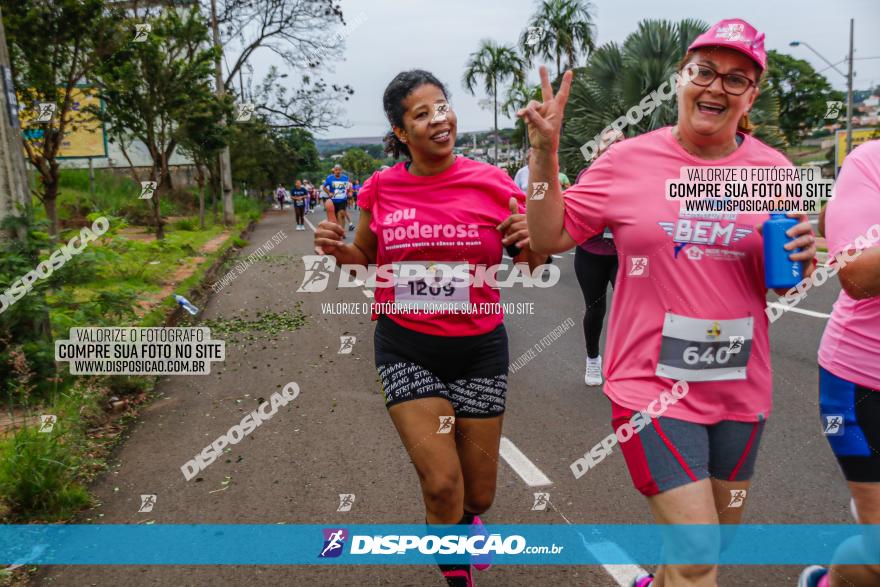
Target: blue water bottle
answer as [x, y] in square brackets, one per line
[780, 272]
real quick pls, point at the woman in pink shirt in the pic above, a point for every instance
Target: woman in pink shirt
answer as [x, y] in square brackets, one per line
[849, 378]
[440, 343]
[690, 284]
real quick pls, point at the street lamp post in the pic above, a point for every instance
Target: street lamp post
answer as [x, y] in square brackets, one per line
[849, 81]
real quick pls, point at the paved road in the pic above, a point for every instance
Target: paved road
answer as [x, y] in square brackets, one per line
[337, 438]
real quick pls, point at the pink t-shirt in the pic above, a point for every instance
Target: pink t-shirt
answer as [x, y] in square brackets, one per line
[851, 344]
[448, 218]
[686, 283]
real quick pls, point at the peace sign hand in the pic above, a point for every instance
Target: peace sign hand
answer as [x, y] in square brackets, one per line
[544, 119]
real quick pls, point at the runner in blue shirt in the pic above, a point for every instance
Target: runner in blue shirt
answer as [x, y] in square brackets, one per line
[299, 195]
[338, 188]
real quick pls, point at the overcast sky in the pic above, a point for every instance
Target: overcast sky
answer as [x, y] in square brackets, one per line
[438, 35]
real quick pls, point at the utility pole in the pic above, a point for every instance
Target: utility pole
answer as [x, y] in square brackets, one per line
[849, 92]
[13, 175]
[225, 161]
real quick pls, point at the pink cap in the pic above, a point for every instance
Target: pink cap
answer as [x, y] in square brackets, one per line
[736, 34]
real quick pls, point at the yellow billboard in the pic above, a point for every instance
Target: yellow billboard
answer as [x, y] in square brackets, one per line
[83, 131]
[859, 136]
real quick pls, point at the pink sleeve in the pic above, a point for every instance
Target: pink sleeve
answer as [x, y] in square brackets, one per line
[367, 195]
[586, 202]
[510, 188]
[854, 211]
[503, 189]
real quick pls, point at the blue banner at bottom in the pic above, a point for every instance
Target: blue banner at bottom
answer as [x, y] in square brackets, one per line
[522, 544]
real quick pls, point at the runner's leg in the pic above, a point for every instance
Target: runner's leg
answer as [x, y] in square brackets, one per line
[593, 273]
[688, 504]
[867, 498]
[477, 443]
[434, 456]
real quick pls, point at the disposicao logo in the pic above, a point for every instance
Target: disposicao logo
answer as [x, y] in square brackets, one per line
[334, 541]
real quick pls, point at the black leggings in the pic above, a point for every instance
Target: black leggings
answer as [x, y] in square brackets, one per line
[300, 210]
[594, 272]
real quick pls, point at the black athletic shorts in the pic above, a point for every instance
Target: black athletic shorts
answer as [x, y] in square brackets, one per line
[339, 205]
[851, 421]
[469, 371]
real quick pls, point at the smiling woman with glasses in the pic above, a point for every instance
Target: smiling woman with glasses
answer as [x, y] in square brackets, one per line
[681, 292]
[732, 83]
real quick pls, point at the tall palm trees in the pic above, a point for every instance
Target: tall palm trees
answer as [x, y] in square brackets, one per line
[493, 64]
[564, 28]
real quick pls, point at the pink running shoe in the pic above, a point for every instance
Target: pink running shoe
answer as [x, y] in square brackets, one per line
[481, 562]
[459, 578]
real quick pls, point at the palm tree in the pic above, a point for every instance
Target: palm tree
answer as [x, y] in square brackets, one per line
[564, 27]
[617, 77]
[518, 96]
[493, 64]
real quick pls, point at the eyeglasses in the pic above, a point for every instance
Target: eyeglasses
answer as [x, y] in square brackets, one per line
[733, 83]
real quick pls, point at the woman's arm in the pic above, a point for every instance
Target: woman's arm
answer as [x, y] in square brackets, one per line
[860, 278]
[546, 215]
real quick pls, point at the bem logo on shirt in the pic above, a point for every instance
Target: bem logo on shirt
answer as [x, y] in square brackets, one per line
[704, 232]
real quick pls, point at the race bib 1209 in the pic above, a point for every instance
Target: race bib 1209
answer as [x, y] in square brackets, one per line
[431, 285]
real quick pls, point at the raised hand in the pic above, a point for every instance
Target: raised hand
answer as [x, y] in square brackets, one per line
[544, 119]
[328, 234]
[514, 227]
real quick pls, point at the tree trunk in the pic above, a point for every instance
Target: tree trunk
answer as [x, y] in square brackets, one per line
[156, 200]
[157, 217]
[50, 203]
[495, 98]
[215, 181]
[15, 195]
[200, 179]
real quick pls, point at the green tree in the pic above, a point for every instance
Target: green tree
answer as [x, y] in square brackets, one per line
[493, 64]
[303, 151]
[202, 137]
[264, 156]
[802, 92]
[150, 88]
[616, 78]
[358, 164]
[518, 96]
[560, 28]
[52, 48]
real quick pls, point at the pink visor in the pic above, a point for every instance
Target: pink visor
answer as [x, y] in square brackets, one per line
[736, 34]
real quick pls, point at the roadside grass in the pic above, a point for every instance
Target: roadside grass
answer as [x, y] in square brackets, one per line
[44, 475]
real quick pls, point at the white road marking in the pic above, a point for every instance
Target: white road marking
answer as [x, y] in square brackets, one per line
[367, 293]
[521, 465]
[622, 574]
[556, 256]
[800, 311]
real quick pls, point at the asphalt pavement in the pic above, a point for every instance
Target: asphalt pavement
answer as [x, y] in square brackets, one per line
[336, 438]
